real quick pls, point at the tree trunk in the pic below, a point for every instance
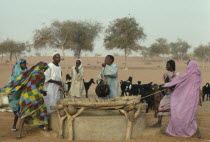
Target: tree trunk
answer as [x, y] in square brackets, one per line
[10, 57]
[79, 54]
[2, 57]
[15, 56]
[126, 58]
[64, 57]
[203, 63]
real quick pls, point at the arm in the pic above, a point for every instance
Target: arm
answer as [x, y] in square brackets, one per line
[81, 74]
[111, 70]
[48, 79]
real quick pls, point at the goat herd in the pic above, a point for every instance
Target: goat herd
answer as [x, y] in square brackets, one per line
[150, 93]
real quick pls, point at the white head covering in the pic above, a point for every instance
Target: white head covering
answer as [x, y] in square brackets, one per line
[56, 54]
[80, 64]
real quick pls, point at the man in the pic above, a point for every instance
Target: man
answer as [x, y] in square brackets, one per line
[110, 73]
[53, 82]
[77, 85]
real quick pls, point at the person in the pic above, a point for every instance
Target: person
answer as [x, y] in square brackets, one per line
[77, 89]
[110, 73]
[53, 82]
[28, 102]
[164, 107]
[17, 70]
[184, 102]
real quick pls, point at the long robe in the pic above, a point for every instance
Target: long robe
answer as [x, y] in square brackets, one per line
[53, 92]
[77, 85]
[111, 75]
[184, 102]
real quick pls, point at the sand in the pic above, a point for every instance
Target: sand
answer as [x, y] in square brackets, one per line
[141, 70]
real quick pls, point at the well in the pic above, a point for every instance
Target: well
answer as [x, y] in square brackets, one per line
[97, 119]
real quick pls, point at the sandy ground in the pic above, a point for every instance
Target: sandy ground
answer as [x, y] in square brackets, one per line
[140, 70]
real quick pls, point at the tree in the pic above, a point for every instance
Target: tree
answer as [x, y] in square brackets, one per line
[124, 34]
[179, 49]
[2, 51]
[160, 47]
[202, 52]
[13, 48]
[145, 52]
[77, 36]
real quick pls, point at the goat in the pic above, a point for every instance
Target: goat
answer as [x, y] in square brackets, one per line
[206, 92]
[87, 85]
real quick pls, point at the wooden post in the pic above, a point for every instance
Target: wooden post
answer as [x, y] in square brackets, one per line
[70, 122]
[61, 119]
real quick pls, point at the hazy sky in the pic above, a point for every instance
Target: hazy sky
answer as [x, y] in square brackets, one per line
[171, 19]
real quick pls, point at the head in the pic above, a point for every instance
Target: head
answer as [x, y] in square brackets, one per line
[109, 59]
[171, 66]
[130, 79]
[23, 64]
[78, 63]
[155, 87]
[92, 81]
[188, 62]
[56, 58]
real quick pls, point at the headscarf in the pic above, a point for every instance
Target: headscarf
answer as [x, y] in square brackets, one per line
[56, 54]
[16, 71]
[80, 64]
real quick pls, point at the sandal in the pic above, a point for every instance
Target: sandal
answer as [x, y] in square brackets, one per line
[14, 130]
[166, 134]
[156, 125]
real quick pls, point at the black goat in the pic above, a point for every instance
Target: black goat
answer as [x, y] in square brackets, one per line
[126, 86]
[206, 92]
[68, 81]
[87, 85]
[146, 90]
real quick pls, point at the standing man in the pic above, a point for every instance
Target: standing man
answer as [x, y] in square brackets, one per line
[77, 85]
[53, 82]
[110, 73]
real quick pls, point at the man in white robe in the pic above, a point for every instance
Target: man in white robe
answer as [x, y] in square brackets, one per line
[110, 72]
[77, 84]
[53, 82]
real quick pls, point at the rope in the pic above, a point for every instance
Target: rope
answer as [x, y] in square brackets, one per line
[153, 93]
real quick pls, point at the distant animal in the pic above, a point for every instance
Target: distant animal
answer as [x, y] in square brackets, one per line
[87, 85]
[126, 86]
[146, 91]
[68, 81]
[135, 89]
[206, 92]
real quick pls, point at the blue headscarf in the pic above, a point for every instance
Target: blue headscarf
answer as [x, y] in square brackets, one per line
[16, 71]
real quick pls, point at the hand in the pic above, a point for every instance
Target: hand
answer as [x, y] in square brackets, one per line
[59, 83]
[43, 92]
[104, 65]
[77, 70]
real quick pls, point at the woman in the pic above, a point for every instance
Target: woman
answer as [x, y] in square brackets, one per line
[17, 70]
[29, 102]
[164, 107]
[184, 102]
[77, 89]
